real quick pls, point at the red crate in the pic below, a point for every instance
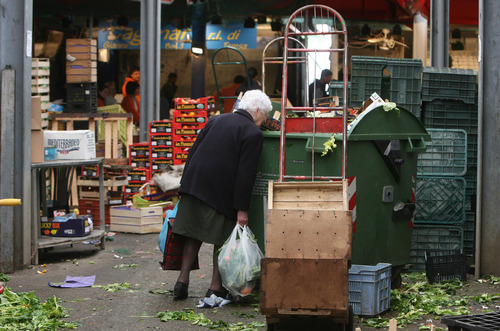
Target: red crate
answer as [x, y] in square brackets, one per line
[184, 141]
[163, 126]
[158, 164]
[133, 188]
[139, 162]
[138, 175]
[179, 162]
[180, 153]
[90, 171]
[163, 139]
[139, 150]
[181, 116]
[188, 126]
[161, 152]
[191, 104]
[91, 207]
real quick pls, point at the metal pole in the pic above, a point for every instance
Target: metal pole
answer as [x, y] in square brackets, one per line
[488, 208]
[198, 62]
[440, 22]
[7, 120]
[150, 64]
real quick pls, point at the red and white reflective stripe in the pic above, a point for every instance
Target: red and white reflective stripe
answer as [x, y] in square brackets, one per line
[351, 195]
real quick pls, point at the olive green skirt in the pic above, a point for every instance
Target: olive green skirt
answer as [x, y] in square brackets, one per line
[195, 219]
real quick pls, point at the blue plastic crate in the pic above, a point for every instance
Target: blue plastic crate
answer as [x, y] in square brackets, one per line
[449, 83]
[446, 154]
[432, 238]
[370, 288]
[440, 200]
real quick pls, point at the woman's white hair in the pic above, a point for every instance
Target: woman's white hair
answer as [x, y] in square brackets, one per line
[255, 100]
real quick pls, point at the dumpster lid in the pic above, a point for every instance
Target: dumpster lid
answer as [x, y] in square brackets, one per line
[378, 124]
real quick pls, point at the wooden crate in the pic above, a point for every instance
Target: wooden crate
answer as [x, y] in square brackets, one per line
[305, 287]
[308, 234]
[136, 220]
[308, 195]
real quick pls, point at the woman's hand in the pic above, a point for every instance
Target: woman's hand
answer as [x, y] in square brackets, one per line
[242, 218]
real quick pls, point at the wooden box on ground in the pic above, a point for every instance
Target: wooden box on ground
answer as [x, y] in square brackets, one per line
[136, 220]
[305, 271]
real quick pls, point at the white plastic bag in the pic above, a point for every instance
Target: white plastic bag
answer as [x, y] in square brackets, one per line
[239, 261]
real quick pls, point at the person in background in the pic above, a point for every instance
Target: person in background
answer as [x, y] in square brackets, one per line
[217, 182]
[102, 94]
[254, 83]
[110, 98]
[230, 91]
[131, 103]
[326, 77]
[169, 89]
[134, 76]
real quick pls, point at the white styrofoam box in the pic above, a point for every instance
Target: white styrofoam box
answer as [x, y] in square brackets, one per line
[71, 145]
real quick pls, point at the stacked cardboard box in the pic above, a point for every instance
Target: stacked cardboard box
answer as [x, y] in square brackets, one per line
[190, 116]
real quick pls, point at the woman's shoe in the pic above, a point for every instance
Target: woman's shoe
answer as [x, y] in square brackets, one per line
[180, 291]
[221, 294]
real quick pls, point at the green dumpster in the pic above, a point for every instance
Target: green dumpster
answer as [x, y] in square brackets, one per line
[381, 164]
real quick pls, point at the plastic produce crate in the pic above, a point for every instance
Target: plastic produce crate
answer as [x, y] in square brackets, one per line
[449, 83]
[469, 228]
[370, 289]
[433, 238]
[446, 154]
[398, 80]
[440, 200]
[336, 88]
[81, 97]
[483, 322]
[445, 265]
[450, 114]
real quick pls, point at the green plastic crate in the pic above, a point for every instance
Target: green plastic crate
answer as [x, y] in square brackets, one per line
[469, 229]
[432, 238]
[449, 83]
[440, 200]
[450, 114]
[446, 154]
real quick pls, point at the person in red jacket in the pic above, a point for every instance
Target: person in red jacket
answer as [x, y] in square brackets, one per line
[217, 183]
[131, 103]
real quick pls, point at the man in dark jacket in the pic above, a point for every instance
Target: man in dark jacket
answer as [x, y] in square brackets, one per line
[217, 184]
[317, 89]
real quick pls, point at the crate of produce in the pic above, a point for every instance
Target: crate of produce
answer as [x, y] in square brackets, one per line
[370, 289]
[40, 67]
[184, 141]
[162, 139]
[82, 49]
[164, 126]
[73, 227]
[188, 129]
[189, 117]
[449, 83]
[158, 164]
[433, 238]
[191, 104]
[161, 152]
[440, 200]
[139, 162]
[446, 154]
[445, 265]
[181, 153]
[136, 220]
[450, 114]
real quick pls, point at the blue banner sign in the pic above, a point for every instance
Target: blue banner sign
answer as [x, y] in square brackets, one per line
[217, 36]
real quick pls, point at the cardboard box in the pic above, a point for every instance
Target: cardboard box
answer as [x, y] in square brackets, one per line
[136, 220]
[37, 146]
[76, 227]
[71, 145]
[36, 113]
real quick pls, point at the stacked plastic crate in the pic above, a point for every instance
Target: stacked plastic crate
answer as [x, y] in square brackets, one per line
[140, 174]
[160, 146]
[190, 116]
[81, 75]
[440, 196]
[398, 80]
[449, 101]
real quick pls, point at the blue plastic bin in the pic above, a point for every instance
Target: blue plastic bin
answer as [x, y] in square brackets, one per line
[370, 288]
